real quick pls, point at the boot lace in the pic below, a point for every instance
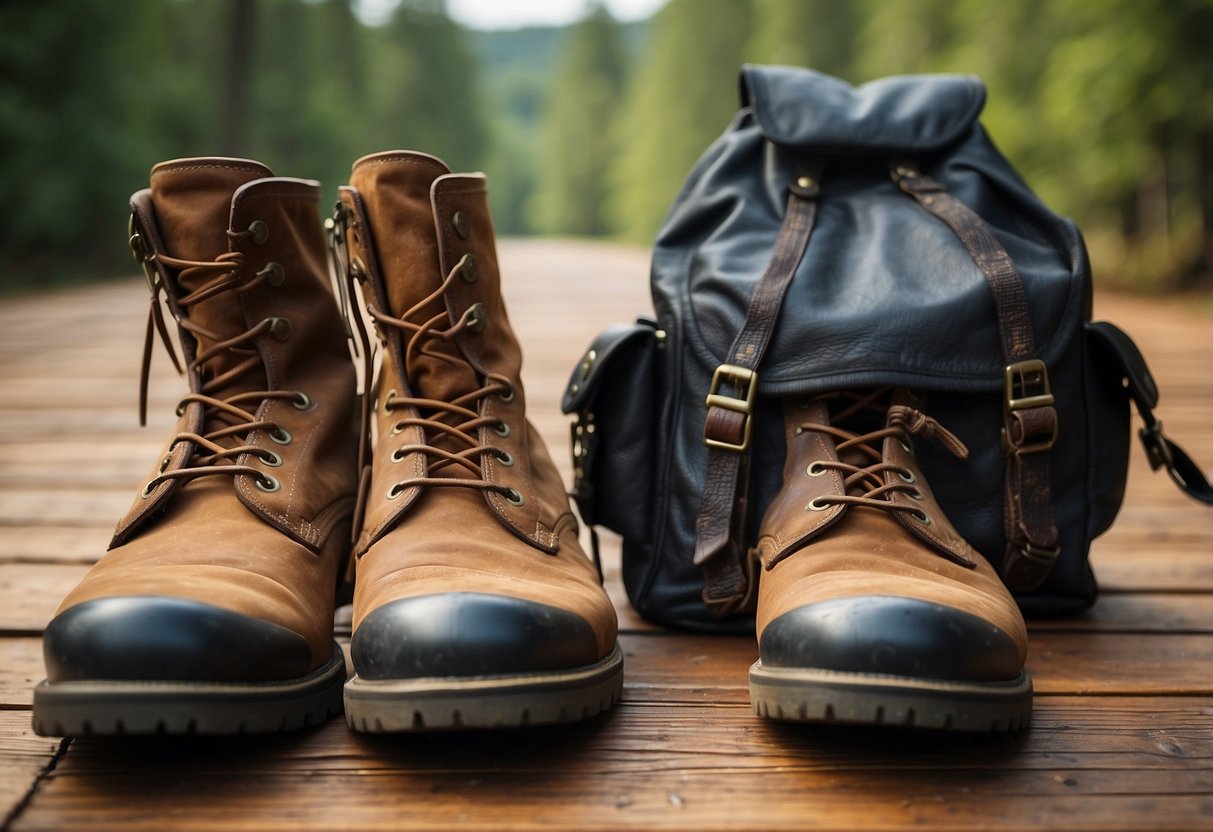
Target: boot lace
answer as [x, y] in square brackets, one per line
[225, 418]
[452, 427]
[864, 485]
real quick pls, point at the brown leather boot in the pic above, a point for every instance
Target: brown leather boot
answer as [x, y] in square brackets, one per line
[474, 603]
[871, 608]
[213, 610]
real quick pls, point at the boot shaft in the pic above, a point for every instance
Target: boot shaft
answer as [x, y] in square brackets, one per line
[239, 258]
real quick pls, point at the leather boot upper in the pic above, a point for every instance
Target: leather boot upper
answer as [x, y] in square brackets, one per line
[463, 505]
[244, 518]
[861, 570]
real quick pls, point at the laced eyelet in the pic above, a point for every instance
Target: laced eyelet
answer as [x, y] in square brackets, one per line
[270, 458]
[476, 318]
[275, 274]
[816, 504]
[507, 396]
[501, 429]
[467, 268]
[280, 328]
[397, 429]
[391, 394]
[906, 446]
[921, 516]
[148, 489]
[462, 227]
[260, 231]
[302, 401]
[395, 491]
[279, 435]
[906, 476]
[816, 469]
[164, 463]
[180, 410]
[916, 494]
[398, 455]
[267, 483]
[507, 459]
[514, 497]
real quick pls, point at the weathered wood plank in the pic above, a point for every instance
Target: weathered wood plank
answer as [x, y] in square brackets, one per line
[1103, 763]
[23, 757]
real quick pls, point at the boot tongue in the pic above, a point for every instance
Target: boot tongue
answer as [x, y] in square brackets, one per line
[193, 202]
[395, 191]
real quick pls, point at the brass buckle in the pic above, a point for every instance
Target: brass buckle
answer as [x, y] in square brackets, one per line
[744, 379]
[1025, 386]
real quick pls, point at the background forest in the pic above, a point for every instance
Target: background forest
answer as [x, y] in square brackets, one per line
[1106, 107]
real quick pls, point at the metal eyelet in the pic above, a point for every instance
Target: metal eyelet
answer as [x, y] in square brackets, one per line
[391, 394]
[148, 489]
[270, 458]
[501, 429]
[280, 328]
[514, 497]
[507, 459]
[467, 268]
[397, 429]
[275, 274]
[395, 491]
[507, 396]
[906, 446]
[267, 483]
[180, 410]
[921, 516]
[816, 469]
[164, 463]
[476, 318]
[916, 494]
[259, 230]
[462, 227]
[279, 435]
[398, 455]
[816, 504]
[302, 401]
[906, 476]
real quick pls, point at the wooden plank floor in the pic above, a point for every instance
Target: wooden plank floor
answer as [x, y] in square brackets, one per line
[1122, 736]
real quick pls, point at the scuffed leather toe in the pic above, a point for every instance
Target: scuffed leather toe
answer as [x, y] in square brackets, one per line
[469, 634]
[169, 639]
[891, 635]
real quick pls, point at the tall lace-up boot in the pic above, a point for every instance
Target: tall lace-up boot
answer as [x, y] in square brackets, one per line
[213, 610]
[871, 608]
[474, 604]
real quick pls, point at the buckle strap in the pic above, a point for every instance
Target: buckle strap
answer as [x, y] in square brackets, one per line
[1029, 419]
[720, 547]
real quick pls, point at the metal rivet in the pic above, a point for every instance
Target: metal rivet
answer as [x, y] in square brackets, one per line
[476, 318]
[460, 222]
[275, 274]
[259, 230]
[514, 498]
[279, 435]
[806, 182]
[267, 483]
[280, 328]
[467, 268]
[906, 172]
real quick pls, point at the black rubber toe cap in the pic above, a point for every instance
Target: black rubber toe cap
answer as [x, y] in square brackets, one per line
[469, 634]
[891, 635]
[169, 639]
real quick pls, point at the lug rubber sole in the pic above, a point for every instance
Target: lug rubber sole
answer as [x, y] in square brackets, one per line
[112, 708]
[814, 695]
[444, 703]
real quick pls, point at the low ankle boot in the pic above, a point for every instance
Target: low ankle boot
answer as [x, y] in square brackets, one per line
[212, 612]
[474, 604]
[871, 608]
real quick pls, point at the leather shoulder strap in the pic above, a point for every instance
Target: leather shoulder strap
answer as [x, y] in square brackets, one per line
[1029, 418]
[720, 548]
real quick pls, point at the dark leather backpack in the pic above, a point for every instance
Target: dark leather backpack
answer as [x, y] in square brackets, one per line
[838, 237]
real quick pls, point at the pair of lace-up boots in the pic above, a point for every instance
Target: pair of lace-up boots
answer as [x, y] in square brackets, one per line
[474, 604]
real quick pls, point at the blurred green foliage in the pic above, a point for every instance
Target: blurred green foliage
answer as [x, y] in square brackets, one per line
[1105, 106]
